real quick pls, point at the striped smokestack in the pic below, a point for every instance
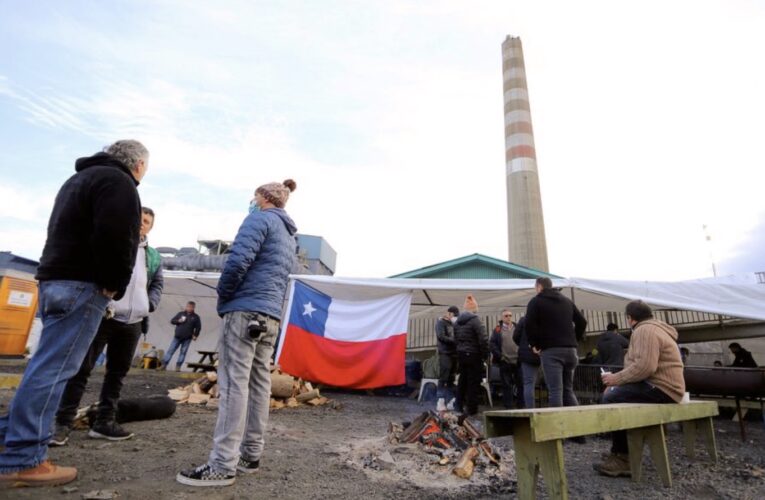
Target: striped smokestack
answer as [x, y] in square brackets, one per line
[525, 223]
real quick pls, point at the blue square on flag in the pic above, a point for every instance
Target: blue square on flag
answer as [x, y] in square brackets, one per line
[310, 309]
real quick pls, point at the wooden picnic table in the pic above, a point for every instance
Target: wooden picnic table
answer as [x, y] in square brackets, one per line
[201, 365]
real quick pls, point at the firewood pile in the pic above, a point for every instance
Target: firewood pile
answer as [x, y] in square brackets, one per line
[286, 392]
[450, 436]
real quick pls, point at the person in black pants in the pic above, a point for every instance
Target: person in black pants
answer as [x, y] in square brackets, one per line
[119, 332]
[504, 354]
[447, 357]
[472, 353]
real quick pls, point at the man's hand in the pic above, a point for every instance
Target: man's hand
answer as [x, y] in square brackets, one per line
[108, 293]
[608, 379]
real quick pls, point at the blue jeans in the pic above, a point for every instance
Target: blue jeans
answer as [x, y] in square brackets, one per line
[558, 365]
[639, 392]
[529, 373]
[71, 312]
[174, 345]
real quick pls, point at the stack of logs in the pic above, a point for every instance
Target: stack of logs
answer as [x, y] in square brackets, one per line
[451, 437]
[286, 391]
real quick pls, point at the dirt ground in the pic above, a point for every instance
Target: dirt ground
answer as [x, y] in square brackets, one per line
[330, 452]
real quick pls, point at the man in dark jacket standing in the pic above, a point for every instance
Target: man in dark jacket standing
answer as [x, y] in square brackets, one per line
[554, 325]
[611, 346]
[504, 353]
[251, 292]
[87, 261]
[188, 324]
[447, 356]
[119, 334]
[472, 353]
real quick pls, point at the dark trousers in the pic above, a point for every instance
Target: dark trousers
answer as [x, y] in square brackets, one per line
[640, 392]
[469, 386]
[510, 377]
[447, 371]
[120, 341]
[558, 365]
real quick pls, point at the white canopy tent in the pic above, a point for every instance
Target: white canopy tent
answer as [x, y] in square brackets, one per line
[740, 296]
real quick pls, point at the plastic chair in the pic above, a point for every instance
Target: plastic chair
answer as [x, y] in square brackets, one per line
[425, 382]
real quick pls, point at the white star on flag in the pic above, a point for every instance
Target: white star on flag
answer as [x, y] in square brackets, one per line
[308, 309]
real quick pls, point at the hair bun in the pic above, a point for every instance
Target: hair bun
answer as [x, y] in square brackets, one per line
[290, 184]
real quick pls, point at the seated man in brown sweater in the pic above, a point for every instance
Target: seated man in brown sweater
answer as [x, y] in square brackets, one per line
[653, 373]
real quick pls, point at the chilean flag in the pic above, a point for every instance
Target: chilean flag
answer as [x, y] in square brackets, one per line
[358, 344]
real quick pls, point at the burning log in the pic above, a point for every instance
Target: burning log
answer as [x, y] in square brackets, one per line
[489, 453]
[465, 465]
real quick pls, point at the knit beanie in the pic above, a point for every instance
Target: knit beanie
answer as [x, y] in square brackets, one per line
[277, 193]
[470, 304]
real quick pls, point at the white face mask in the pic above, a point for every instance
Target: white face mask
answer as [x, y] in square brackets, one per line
[454, 320]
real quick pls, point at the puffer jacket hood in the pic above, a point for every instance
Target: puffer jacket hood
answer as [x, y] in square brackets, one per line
[102, 160]
[288, 222]
[464, 317]
[669, 330]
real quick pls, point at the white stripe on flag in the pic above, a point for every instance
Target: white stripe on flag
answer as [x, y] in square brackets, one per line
[364, 320]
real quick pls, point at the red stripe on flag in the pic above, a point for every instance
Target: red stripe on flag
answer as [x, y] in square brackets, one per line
[356, 365]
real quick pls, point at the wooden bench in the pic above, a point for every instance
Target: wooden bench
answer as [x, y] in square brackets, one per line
[201, 367]
[538, 435]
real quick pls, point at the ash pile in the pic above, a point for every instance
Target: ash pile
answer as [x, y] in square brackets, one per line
[453, 439]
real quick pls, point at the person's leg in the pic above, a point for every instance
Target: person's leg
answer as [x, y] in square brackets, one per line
[552, 367]
[444, 372]
[174, 344]
[259, 399]
[506, 376]
[237, 354]
[75, 387]
[529, 384]
[518, 385]
[182, 356]
[71, 313]
[640, 392]
[123, 340]
[570, 360]
[473, 374]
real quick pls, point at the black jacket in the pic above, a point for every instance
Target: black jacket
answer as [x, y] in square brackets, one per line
[189, 328]
[550, 320]
[611, 346]
[525, 354]
[470, 335]
[445, 337]
[744, 359]
[94, 226]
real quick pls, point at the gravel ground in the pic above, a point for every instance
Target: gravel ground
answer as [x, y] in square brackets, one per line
[329, 452]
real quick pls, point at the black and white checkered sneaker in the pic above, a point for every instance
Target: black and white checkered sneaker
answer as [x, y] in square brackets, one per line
[247, 466]
[205, 475]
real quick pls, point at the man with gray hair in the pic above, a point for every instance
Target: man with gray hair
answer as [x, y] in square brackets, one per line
[93, 237]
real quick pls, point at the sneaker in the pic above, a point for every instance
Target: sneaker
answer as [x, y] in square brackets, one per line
[614, 466]
[248, 466]
[109, 430]
[60, 436]
[45, 474]
[451, 406]
[440, 405]
[205, 475]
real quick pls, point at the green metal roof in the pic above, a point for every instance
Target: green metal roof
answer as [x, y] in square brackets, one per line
[475, 266]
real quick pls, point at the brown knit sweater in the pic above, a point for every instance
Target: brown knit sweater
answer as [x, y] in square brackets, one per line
[654, 356]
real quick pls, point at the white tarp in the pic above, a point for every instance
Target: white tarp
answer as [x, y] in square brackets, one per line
[738, 296]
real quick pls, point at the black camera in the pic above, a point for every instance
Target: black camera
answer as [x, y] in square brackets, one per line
[255, 327]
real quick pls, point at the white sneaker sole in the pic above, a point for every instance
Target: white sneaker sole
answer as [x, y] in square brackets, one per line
[204, 482]
[98, 435]
[55, 444]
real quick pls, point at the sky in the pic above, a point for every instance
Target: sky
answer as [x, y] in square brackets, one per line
[648, 120]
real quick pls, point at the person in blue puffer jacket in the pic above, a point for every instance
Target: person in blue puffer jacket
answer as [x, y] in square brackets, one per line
[251, 292]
